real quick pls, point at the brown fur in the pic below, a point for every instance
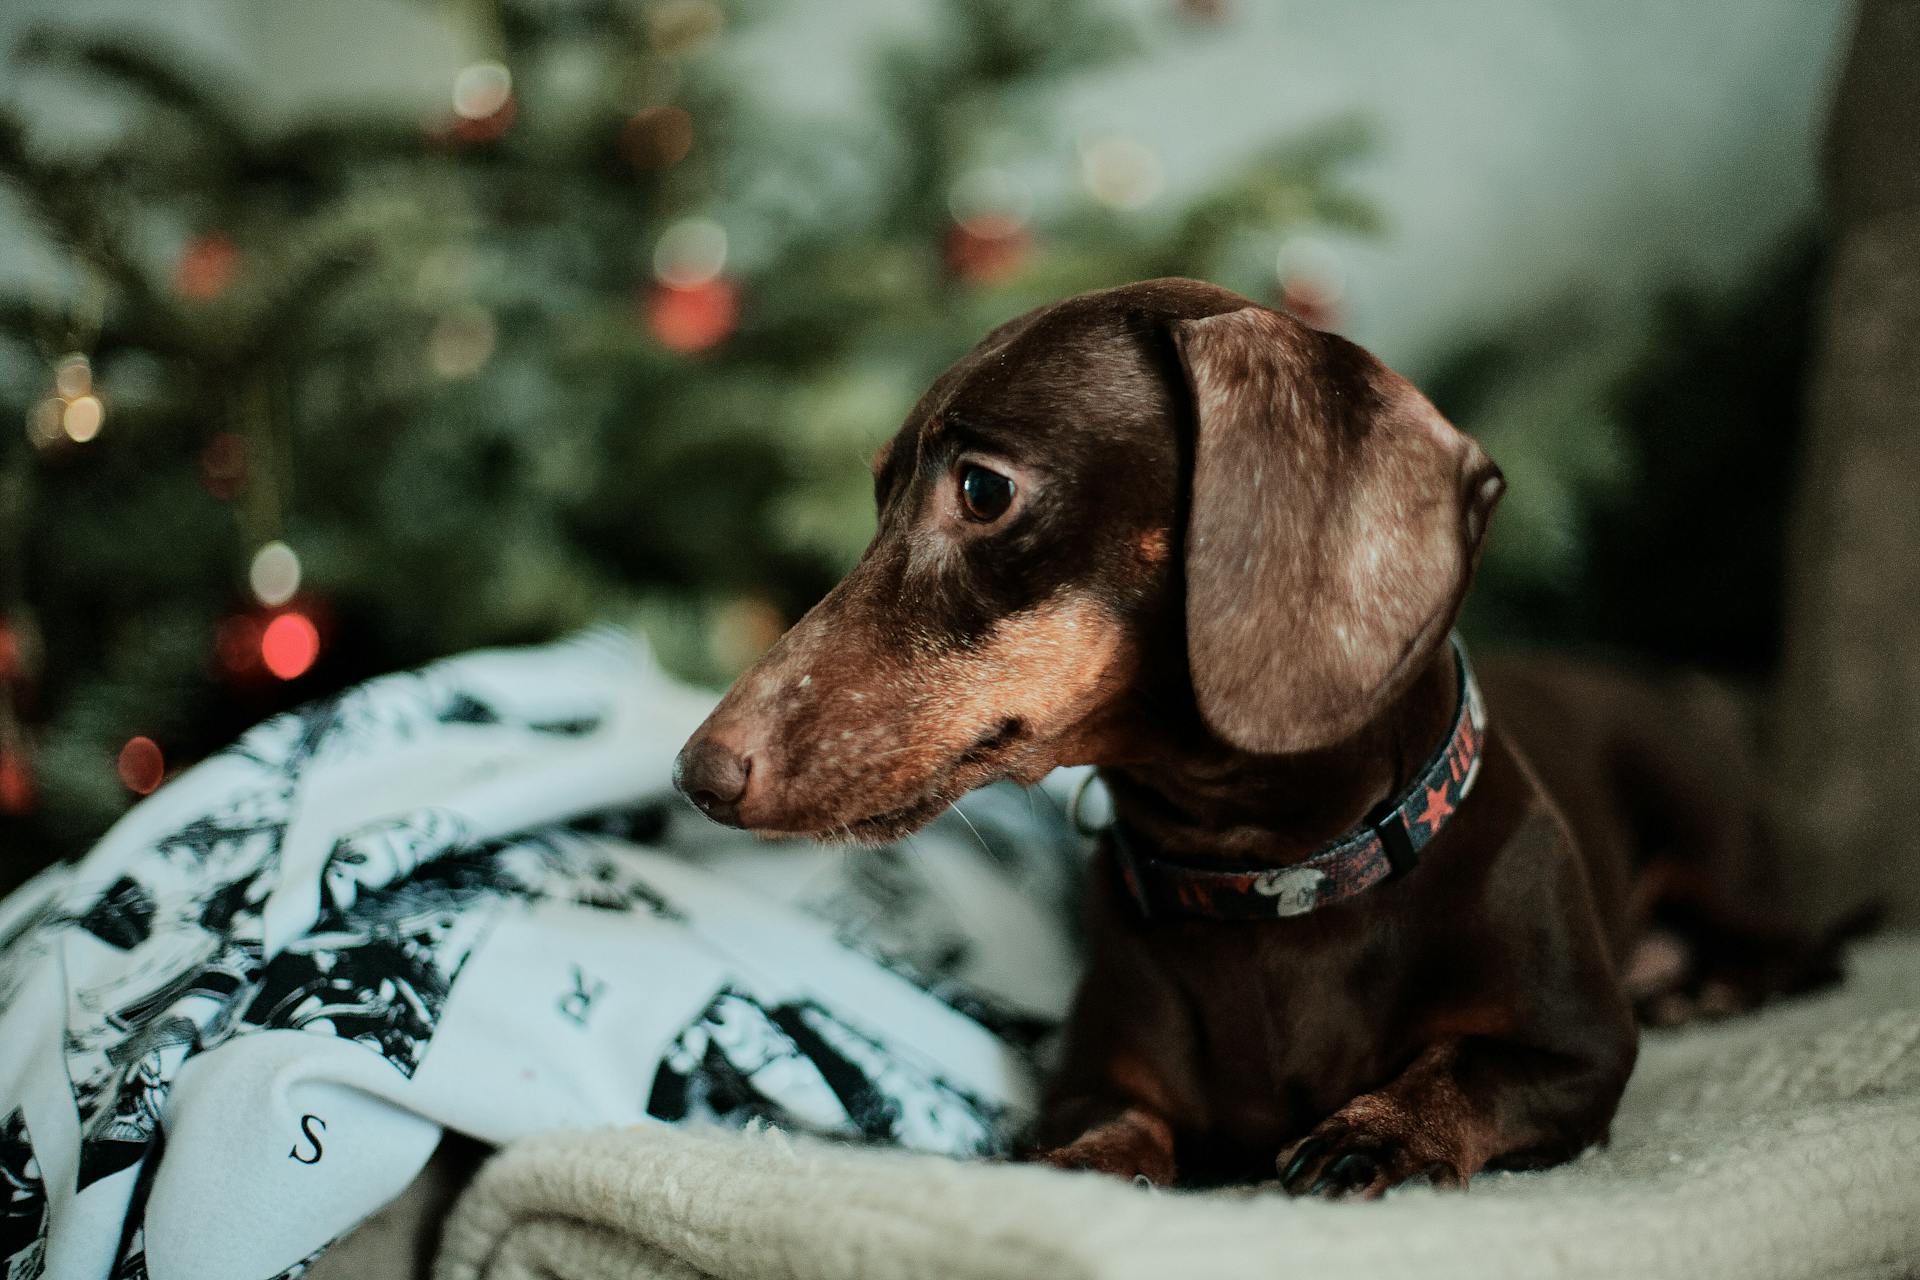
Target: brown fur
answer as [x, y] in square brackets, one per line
[1233, 554]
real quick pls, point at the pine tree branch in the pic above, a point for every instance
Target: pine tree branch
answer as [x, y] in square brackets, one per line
[145, 71]
[61, 200]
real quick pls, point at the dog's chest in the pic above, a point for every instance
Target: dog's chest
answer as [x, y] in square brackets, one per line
[1292, 1022]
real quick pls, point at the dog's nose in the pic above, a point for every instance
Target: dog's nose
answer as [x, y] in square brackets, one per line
[714, 776]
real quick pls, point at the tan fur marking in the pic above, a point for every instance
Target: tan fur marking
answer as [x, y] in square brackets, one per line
[892, 717]
[1047, 666]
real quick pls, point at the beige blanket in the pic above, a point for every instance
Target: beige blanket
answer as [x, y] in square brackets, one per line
[1781, 1145]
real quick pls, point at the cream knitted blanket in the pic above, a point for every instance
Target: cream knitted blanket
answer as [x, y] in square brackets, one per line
[1781, 1145]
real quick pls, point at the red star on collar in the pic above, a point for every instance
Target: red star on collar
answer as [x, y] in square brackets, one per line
[1438, 807]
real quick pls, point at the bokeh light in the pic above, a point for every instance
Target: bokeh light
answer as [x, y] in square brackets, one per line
[82, 418]
[142, 765]
[1310, 281]
[289, 645]
[742, 629]
[207, 268]
[481, 90]
[16, 786]
[990, 201]
[987, 250]
[236, 646]
[274, 574]
[73, 376]
[682, 27]
[692, 319]
[1120, 172]
[690, 253]
[43, 422]
[462, 342]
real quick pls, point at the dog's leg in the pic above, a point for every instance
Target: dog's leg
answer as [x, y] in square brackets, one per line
[1719, 958]
[1125, 1140]
[1721, 927]
[1529, 1079]
[1461, 1106]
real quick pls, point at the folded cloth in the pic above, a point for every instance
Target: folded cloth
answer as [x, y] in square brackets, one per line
[463, 899]
[1786, 1144]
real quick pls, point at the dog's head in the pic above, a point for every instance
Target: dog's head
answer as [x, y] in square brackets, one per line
[1133, 505]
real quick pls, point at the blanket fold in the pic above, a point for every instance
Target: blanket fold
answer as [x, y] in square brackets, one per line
[459, 901]
[1785, 1145]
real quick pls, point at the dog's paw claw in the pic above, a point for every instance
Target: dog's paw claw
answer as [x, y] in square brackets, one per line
[1355, 1169]
[1338, 1160]
[1301, 1158]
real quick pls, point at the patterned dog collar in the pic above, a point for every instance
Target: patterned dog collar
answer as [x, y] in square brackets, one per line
[1388, 844]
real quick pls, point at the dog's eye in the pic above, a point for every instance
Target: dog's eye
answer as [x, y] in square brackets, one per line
[985, 494]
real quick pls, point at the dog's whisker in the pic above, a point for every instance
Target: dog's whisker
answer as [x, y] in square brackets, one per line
[962, 815]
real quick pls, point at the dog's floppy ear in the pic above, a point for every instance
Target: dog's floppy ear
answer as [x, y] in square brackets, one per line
[1335, 521]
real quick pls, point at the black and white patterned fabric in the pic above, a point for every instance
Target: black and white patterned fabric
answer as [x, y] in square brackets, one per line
[463, 899]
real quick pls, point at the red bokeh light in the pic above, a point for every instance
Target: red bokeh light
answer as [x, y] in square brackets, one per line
[487, 128]
[988, 249]
[236, 645]
[207, 268]
[10, 665]
[1313, 300]
[142, 766]
[16, 786]
[289, 645]
[692, 318]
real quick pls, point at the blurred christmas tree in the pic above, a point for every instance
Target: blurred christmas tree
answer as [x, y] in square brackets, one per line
[308, 400]
[1650, 459]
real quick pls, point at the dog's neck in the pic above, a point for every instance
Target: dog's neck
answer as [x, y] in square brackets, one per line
[1200, 800]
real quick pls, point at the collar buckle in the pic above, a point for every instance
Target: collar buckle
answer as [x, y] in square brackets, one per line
[1389, 827]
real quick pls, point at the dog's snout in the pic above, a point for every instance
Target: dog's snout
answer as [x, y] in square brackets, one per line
[714, 776]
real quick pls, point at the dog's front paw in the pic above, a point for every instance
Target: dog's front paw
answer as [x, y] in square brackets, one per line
[1132, 1146]
[1363, 1149]
[1084, 1157]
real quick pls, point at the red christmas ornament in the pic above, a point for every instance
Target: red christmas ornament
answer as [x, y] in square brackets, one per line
[207, 268]
[289, 645]
[987, 249]
[692, 318]
[142, 766]
[16, 787]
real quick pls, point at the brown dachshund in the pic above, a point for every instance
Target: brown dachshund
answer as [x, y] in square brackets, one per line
[1354, 916]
